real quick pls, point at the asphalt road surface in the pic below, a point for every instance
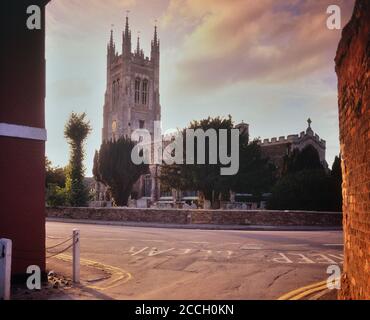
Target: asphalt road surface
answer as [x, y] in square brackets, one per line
[120, 262]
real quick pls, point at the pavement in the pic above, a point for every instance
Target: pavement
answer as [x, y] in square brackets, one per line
[126, 262]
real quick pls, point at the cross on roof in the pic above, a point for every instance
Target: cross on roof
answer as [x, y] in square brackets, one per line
[309, 121]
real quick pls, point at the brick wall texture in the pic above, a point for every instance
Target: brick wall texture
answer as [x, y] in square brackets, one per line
[352, 67]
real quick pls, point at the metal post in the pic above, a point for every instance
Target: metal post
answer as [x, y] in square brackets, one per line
[5, 268]
[76, 255]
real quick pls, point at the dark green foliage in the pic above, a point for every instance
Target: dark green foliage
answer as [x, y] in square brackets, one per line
[96, 173]
[54, 175]
[336, 178]
[302, 190]
[55, 180]
[76, 131]
[310, 188]
[55, 195]
[255, 174]
[305, 159]
[116, 170]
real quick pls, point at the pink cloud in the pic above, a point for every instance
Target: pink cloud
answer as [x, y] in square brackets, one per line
[239, 40]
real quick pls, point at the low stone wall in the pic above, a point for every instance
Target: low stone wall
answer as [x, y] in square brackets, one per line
[191, 216]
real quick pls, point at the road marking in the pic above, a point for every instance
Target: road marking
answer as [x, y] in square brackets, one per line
[308, 292]
[119, 275]
[137, 252]
[283, 259]
[311, 258]
[295, 292]
[305, 291]
[317, 296]
[155, 252]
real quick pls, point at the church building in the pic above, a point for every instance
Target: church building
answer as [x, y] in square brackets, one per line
[132, 99]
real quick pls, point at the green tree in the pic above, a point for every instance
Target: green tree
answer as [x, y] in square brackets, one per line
[204, 178]
[96, 173]
[255, 174]
[76, 131]
[116, 170]
[306, 159]
[54, 175]
[55, 180]
[302, 190]
[336, 177]
[56, 196]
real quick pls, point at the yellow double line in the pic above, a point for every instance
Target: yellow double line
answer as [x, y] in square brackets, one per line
[305, 291]
[119, 276]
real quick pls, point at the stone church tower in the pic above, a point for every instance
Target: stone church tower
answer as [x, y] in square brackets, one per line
[132, 99]
[132, 93]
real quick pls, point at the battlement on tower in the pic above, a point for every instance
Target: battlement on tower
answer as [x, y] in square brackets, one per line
[294, 139]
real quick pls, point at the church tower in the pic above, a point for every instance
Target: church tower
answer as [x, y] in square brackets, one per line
[132, 97]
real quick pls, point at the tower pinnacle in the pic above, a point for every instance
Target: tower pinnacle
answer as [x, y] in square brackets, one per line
[127, 26]
[138, 43]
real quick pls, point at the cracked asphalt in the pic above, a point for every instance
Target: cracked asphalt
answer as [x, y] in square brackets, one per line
[163, 263]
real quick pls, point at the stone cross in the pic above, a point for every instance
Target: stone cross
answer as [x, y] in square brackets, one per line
[309, 121]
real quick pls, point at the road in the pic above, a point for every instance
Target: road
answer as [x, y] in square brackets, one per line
[121, 262]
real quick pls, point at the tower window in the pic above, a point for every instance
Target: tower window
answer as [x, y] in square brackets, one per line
[114, 91]
[117, 89]
[141, 124]
[137, 90]
[144, 97]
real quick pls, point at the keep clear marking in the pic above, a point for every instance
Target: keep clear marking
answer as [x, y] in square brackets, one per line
[155, 252]
[311, 258]
[134, 253]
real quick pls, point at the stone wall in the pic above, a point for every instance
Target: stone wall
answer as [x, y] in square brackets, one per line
[352, 67]
[191, 216]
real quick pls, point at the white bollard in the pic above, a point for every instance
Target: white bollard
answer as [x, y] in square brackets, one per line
[76, 256]
[5, 268]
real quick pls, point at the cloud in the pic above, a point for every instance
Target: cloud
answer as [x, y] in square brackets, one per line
[238, 40]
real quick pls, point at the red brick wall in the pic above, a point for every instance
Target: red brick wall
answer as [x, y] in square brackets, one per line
[22, 169]
[352, 67]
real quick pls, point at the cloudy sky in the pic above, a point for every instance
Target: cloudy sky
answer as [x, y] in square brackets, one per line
[267, 62]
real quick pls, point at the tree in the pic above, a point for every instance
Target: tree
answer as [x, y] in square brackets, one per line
[56, 196]
[55, 180]
[54, 175]
[116, 170]
[306, 159]
[76, 131]
[254, 175]
[302, 190]
[206, 177]
[336, 177]
[96, 173]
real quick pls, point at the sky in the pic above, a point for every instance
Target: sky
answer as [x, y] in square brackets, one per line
[269, 63]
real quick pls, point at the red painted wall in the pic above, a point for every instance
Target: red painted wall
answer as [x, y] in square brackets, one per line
[22, 205]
